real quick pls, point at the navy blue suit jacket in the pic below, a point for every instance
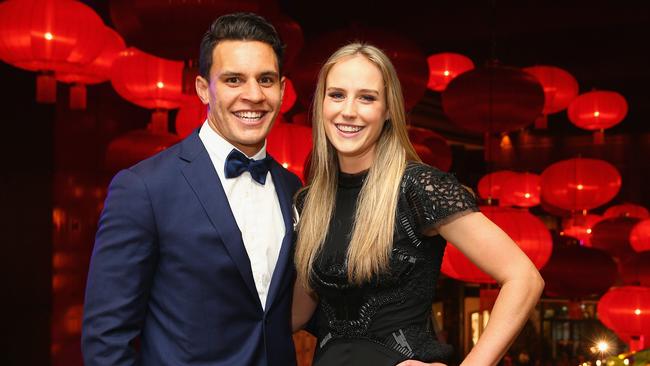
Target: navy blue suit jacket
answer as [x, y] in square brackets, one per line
[169, 267]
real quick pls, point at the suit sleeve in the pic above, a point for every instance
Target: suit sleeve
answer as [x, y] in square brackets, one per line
[120, 275]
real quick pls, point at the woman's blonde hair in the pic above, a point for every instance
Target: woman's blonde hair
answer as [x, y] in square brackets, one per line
[374, 221]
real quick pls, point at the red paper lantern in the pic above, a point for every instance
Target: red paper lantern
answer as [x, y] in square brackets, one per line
[146, 80]
[443, 67]
[626, 310]
[613, 236]
[597, 110]
[521, 189]
[289, 97]
[560, 87]
[490, 186]
[576, 272]
[526, 230]
[95, 72]
[290, 144]
[493, 99]
[640, 236]
[47, 36]
[580, 184]
[432, 148]
[171, 29]
[580, 226]
[405, 55]
[627, 210]
[635, 270]
[291, 34]
[191, 115]
[138, 145]
[99, 70]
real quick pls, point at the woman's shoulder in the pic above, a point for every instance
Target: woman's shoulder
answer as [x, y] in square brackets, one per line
[434, 195]
[418, 174]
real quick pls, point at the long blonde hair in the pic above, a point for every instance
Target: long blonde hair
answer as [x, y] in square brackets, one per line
[372, 233]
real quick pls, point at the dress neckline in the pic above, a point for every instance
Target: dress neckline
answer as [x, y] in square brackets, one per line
[352, 180]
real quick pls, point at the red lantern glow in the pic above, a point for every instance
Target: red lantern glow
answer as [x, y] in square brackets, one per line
[443, 67]
[493, 99]
[522, 190]
[580, 227]
[627, 210]
[640, 236]
[597, 110]
[47, 36]
[432, 148]
[626, 310]
[560, 87]
[290, 144]
[570, 272]
[490, 186]
[526, 230]
[580, 184]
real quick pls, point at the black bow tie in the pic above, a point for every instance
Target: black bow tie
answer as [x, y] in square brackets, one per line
[237, 163]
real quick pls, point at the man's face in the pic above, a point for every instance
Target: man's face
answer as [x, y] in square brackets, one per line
[244, 92]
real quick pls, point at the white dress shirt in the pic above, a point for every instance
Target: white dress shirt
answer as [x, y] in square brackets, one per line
[255, 207]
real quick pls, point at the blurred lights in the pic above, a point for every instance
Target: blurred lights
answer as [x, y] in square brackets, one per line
[602, 346]
[48, 36]
[160, 85]
[637, 312]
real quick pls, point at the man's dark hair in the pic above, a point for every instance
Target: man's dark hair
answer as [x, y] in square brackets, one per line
[238, 27]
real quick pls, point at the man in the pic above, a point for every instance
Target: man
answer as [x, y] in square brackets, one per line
[192, 255]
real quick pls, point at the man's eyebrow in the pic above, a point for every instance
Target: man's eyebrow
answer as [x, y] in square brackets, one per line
[230, 74]
[270, 73]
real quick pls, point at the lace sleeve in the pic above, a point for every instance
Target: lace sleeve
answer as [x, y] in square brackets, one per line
[436, 197]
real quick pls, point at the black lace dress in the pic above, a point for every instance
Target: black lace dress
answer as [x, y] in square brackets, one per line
[387, 320]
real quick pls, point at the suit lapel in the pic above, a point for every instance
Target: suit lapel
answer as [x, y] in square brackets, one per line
[284, 197]
[201, 176]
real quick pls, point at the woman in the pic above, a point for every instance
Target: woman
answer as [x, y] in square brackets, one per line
[372, 227]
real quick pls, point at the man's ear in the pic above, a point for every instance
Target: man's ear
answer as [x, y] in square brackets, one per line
[283, 83]
[202, 89]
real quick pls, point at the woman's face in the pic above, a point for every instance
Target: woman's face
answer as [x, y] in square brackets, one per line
[354, 111]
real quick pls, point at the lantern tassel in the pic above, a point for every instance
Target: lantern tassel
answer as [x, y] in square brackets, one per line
[599, 137]
[78, 96]
[46, 88]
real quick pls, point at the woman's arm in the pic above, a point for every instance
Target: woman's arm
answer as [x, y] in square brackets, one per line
[492, 250]
[303, 306]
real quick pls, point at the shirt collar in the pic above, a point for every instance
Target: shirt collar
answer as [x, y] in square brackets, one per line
[220, 147]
